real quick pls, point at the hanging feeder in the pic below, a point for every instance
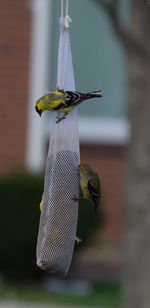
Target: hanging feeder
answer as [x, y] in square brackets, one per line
[58, 221]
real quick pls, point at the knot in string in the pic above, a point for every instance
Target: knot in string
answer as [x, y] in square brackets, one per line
[67, 18]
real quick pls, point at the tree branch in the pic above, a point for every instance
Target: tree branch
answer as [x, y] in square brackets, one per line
[129, 41]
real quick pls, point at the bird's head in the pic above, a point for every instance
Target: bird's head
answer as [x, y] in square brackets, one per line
[40, 105]
[84, 167]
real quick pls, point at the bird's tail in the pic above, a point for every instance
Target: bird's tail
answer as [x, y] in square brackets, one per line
[92, 94]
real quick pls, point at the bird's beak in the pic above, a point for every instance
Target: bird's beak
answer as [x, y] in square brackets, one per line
[38, 111]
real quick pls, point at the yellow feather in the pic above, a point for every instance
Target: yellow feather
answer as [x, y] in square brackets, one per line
[83, 183]
[55, 103]
[67, 110]
[41, 205]
[41, 105]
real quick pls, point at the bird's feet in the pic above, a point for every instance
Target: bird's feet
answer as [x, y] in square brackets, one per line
[78, 240]
[60, 119]
[59, 89]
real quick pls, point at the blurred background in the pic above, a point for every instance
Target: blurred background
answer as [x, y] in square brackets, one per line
[107, 55]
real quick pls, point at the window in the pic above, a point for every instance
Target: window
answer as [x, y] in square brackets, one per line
[99, 64]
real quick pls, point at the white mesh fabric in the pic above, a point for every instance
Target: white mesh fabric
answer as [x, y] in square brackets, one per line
[58, 221]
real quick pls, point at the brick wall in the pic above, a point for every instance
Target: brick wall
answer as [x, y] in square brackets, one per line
[14, 71]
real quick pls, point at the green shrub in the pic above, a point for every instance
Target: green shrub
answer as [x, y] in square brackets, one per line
[19, 220]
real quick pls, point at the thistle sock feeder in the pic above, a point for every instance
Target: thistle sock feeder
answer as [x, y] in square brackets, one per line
[58, 221]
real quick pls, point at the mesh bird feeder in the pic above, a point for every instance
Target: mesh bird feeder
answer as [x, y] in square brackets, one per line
[58, 221]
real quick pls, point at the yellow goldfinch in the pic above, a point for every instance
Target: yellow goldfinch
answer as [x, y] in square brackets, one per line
[90, 185]
[62, 101]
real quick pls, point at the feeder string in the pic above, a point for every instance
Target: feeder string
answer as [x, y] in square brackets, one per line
[67, 7]
[62, 8]
[67, 19]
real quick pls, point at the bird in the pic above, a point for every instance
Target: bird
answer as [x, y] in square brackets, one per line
[90, 185]
[62, 101]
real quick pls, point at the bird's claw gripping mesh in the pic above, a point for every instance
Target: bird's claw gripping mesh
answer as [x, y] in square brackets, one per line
[58, 221]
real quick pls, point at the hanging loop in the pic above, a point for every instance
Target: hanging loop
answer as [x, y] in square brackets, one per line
[67, 18]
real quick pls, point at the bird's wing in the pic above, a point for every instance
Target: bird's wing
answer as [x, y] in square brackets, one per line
[72, 98]
[94, 189]
[55, 100]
